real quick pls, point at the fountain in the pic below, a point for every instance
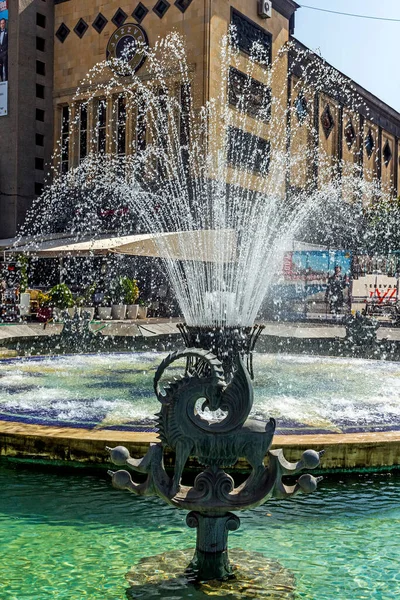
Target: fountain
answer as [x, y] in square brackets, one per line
[175, 185]
[207, 175]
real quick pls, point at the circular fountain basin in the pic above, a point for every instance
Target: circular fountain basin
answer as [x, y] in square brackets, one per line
[71, 407]
[71, 536]
[306, 395]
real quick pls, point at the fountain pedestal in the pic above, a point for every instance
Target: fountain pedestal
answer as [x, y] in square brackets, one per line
[211, 560]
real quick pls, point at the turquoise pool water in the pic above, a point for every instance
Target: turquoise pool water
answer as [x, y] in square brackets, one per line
[71, 536]
[305, 394]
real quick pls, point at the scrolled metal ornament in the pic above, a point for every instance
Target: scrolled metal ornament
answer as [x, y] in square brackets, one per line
[215, 445]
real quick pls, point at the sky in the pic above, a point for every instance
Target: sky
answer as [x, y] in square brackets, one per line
[368, 51]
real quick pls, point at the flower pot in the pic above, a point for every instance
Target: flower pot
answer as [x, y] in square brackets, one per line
[58, 313]
[132, 311]
[142, 312]
[118, 312]
[44, 314]
[73, 310]
[25, 304]
[87, 312]
[104, 312]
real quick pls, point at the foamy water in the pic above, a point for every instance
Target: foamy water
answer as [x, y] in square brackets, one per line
[301, 392]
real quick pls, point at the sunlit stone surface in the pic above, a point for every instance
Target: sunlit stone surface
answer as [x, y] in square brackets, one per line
[165, 575]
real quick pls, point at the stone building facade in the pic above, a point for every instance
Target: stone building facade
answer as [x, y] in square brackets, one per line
[27, 131]
[56, 42]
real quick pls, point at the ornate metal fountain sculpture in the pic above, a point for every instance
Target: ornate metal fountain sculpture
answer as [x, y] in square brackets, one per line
[215, 444]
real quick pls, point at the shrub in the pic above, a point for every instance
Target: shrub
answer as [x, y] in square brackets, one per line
[61, 296]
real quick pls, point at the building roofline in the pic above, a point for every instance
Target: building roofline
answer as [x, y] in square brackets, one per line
[285, 7]
[379, 110]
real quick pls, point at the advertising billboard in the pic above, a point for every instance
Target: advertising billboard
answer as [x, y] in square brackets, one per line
[3, 57]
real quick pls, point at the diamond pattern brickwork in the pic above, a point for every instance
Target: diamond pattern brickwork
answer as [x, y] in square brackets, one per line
[327, 121]
[161, 8]
[369, 143]
[183, 4]
[99, 23]
[62, 32]
[387, 153]
[119, 17]
[140, 12]
[81, 28]
[349, 134]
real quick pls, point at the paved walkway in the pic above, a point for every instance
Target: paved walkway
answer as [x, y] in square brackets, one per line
[157, 327]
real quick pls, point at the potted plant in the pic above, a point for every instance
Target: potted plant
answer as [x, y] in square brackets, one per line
[118, 307]
[87, 308]
[143, 307]
[24, 297]
[44, 311]
[104, 309]
[60, 299]
[131, 290]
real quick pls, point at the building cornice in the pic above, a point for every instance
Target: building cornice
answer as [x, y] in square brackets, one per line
[285, 7]
[372, 108]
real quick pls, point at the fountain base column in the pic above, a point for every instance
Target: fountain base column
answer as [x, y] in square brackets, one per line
[211, 560]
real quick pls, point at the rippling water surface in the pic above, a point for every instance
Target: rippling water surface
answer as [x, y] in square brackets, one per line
[302, 392]
[71, 536]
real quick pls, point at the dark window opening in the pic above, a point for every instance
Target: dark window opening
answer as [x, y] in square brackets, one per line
[39, 139]
[248, 151]
[40, 20]
[40, 67]
[39, 114]
[327, 121]
[83, 132]
[62, 32]
[140, 12]
[249, 95]
[119, 18]
[99, 23]
[349, 134]
[141, 126]
[183, 4]
[38, 188]
[121, 126]
[80, 28]
[301, 107]
[64, 165]
[101, 125]
[39, 90]
[369, 144]
[387, 153]
[161, 8]
[40, 44]
[247, 33]
[39, 164]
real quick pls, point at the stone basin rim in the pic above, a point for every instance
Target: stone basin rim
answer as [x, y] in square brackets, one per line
[351, 451]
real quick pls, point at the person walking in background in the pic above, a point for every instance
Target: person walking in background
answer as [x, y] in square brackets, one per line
[3, 50]
[334, 292]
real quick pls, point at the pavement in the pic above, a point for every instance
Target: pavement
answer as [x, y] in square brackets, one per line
[158, 327]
